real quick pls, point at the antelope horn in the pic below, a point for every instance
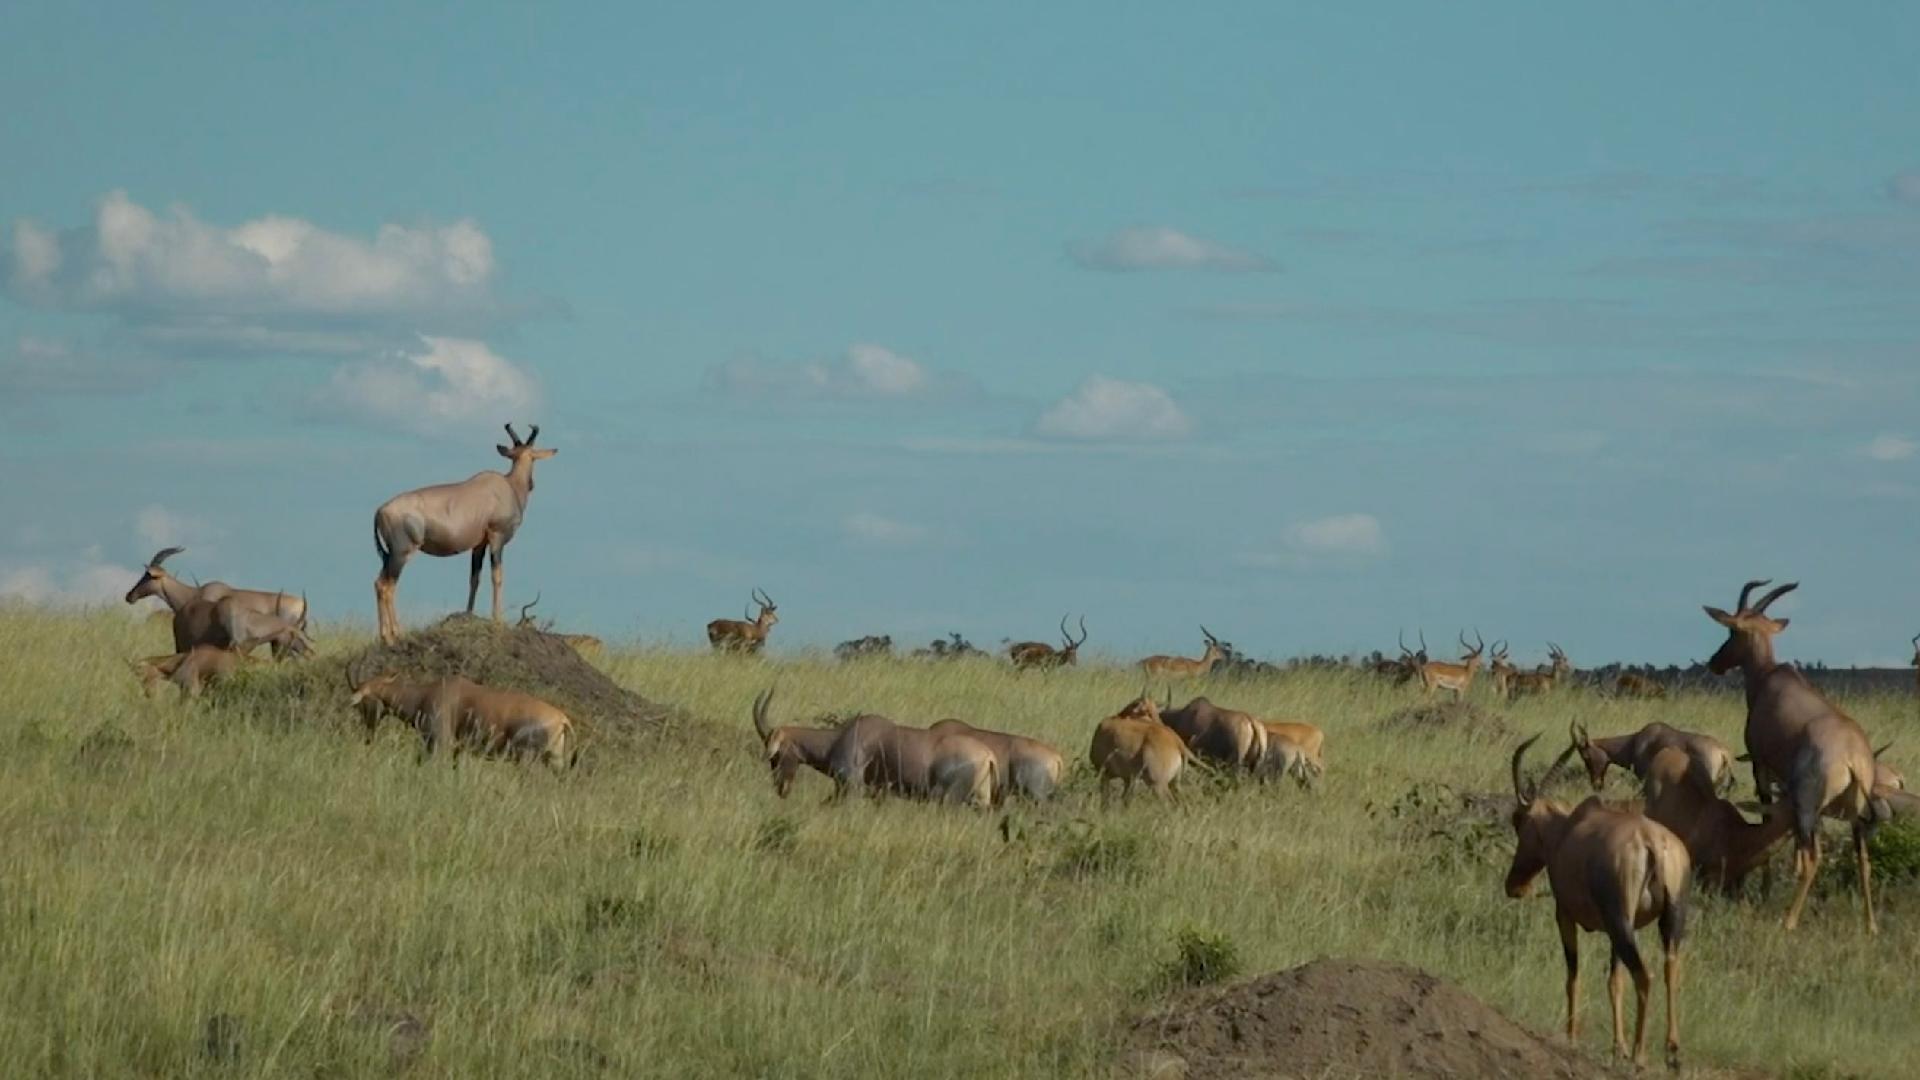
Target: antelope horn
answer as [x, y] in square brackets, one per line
[1552, 770]
[1520, 792]
[761, 703]
[1482, 642]
[1401, 637]
[1916, 641]
[1208, 634]
[304, 610]
[1884, 749]
[514, 435]
[528, 606]
[1761, 607]
[1747, 590]
[163, 555]
[532, 434]
[1423, 642]
[1083, 631]
[1577, 733]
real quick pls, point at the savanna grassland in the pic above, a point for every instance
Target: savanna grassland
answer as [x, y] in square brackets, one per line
[211, 888]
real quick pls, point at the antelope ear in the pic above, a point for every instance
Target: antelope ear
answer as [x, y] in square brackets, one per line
[1718, 616]
[504, 452]
[1780, 624]
[544, 453]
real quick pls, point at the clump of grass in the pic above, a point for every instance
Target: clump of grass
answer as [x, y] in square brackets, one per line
[1102, 851]
[777, 835]
[1200, 958]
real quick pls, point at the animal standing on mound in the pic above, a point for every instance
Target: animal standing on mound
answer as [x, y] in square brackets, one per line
[479, 514]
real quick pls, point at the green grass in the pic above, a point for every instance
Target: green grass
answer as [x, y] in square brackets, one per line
[192, 889]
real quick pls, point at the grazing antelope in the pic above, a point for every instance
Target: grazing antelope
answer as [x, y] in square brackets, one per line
[1712, 762]
[513, 724]
[1455, 678]
[156, 581]
[1027, 767]
[1179, 667]
[1310, 739]
[788, 747]
[1798, 738]
[1722, 844]
[736, 635]
[1285, 757]
[1134, 745]
[413, 701]
[961, 769]
[1638, 686]
[1226, 737]
[876, 755]
[1039, 654]
[191, 671]
[1612, 870]
[1885, 775]
[582, 642]
[480, 514]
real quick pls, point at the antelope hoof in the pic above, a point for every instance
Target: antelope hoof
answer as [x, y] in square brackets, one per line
[1673, 1057]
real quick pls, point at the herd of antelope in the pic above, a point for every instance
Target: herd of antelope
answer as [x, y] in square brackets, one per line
[1614, 866]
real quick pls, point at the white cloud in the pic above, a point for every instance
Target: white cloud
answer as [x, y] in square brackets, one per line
[1889, 447]
[870, 528]
[160, 527]
[864, 372]
[1105, 408]
[1904, 187]
[88, 583]
[1342, 534]
[132, 259]
[1157, 247]
[448, 382]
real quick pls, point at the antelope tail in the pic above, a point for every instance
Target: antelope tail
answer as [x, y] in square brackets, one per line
[379, 542]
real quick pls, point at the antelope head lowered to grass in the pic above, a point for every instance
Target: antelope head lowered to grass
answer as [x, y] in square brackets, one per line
[1457, 679]
[749, 635]
[1180, 667]
[188, 631]
[479, 514]
[1039, 654]
[1799, 739]
[1612, 870]
[1711, 763]
[582, 642]
[788, 747]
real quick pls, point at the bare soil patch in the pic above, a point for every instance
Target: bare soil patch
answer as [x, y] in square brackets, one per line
[1448, 717]
[1344, 1018]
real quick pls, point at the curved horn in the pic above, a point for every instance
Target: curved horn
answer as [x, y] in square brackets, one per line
[1208, 634]
[1760, 608]
[1888, 746]
[1520, 792]
[1916, 641]
[760, 597]
[514, 435]
[1423, 642]
[1083, 632]
[1553, 770]
[1401, 637]
[1747, 590]
[761, 702]
[532, 434]
[1481, 645]
[304, 610]
[528, 606]
[163, 555]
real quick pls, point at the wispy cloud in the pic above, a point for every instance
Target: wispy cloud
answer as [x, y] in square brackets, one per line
[864, 372]
[1319, 541]
[441, 384]
[1108, 409]
[1158, 247]
[85, 582]
[876, 530]
[1889, 447]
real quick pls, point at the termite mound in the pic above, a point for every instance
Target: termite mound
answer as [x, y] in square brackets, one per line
[1343, 1018]
[1448, 717]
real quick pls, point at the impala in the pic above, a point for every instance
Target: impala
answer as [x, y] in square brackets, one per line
[1631, 685]
[1454, 678]
[582, 642]
[1039, 654]
[1180, 667]
[1134, 745]
[479, 514]
[748, 636]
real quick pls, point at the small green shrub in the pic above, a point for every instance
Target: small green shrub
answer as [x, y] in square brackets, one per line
[1200, 958]
[1102, 852]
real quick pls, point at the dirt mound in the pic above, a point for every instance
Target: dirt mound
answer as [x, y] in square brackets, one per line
[1344, 1018]
[1456, 717]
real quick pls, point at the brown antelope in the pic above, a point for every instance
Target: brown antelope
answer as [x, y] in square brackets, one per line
[191, 671]
[1454, 678]
[513, 724]
[736, 635]
[1542, 679]
[963, 770]
[1612, 870]
[1712, 771]
[1027, 767]
[480, 514]
[1134, 745]
[1799, 739]
[413, 701]
[1226, 737]
[1286, 756]
[1310, 739]
[1406, 667]
[874, 754]
[1722, 844]
[1500, 671]
[1039, 654]
[1638, 686]
[1180, 667]
[787, 747]
[582, 642]
[156, 581]
[1916, 664]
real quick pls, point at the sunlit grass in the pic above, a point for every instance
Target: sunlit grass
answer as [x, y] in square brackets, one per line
[189, 889]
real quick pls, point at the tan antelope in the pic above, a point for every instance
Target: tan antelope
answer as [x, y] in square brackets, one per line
[1500, 671]
[1310, 739]
[582, 642]
[1722, 844]
[1637, 686]
[191, 671]
[1454, 678]
[480, 514]
[1916, 664]
[156, 581]
[747, 636]
[1406, 667]
[411, 700]
[1612, 870]
[1027, 767]
[1803, 742]
[1039, 654]
[1180, 667]
[873, 754]
[787, 747]
[1712, 771]
[1543, 679]
[1226, 737]
[1134, 745]
[1286, 756]
[508, 723]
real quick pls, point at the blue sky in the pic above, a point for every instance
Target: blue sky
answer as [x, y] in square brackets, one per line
[1310, 324]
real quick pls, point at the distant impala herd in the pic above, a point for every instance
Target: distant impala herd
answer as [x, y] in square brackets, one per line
[1614, 867]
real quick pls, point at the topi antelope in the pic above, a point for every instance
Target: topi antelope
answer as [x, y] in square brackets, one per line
[735, 635]
[1798, 738]
[1180, 667]
[412, 701]
[1637, 686]
[875, 754]
[1027, 767]
[582, 642]
[787, 747]
[479, 514]
[1612, 870]
[1225, 737]
[156, 581]
[1712, 771]
[1039, 654]
[191, 671]
[1722, 844]
[1457, 679]
[1134, 745]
